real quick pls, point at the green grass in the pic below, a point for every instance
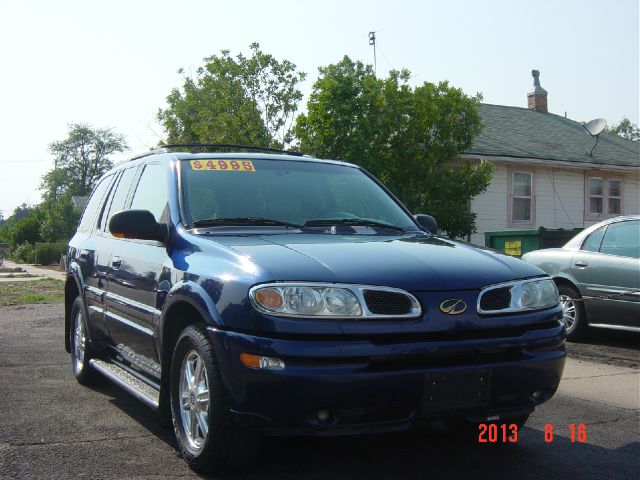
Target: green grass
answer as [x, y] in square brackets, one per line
[33, 291]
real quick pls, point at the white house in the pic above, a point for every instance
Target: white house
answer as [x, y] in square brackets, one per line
[545, 172]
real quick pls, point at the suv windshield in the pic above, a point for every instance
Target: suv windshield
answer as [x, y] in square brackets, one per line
[287, 193]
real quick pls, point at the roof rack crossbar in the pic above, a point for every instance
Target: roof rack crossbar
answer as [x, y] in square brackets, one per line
[153, 151]
[231, 146]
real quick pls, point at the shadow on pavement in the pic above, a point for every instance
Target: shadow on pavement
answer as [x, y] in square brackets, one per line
[430, 451]
[611, 338]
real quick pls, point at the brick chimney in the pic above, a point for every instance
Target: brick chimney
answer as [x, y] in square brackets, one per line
[537, 98]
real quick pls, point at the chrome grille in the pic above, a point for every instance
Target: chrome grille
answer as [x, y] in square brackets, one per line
[496, 299]
[382, 302]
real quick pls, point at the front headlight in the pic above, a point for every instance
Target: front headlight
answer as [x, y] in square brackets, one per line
[308, 301]
[518, 296]
[334, 301]
[539, 294]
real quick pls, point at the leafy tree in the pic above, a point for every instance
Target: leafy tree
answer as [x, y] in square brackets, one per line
[625, 129]
[20, 212]
[50, 221]
[81, 159]
[243, 100]
[410, 138]
[27, 229]
[60, 219]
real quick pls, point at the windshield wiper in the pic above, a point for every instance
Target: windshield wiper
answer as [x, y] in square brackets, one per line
[258, 221]
[352, 222]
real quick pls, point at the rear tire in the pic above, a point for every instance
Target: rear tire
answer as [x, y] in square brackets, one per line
[573, 313]
[208, 437]
[81, 352]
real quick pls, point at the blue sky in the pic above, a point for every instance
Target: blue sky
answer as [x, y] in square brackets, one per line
[112, 64]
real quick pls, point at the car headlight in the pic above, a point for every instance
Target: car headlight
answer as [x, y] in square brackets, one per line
[334, 300]
[308, 301]
[518, 296]
[539, 294]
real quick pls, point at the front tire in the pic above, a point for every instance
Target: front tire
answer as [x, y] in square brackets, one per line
[207, 436]
[573, 314]
[79, 341]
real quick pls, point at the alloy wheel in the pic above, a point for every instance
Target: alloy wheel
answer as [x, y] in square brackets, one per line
[79, 344]
[194, 400]
[569, 312]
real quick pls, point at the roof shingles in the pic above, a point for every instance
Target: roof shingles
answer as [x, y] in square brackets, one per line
[523, 133]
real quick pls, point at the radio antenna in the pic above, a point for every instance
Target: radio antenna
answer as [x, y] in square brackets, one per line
[372, 41]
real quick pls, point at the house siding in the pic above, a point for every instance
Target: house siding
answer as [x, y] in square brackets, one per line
[559, 198]
[631, 194]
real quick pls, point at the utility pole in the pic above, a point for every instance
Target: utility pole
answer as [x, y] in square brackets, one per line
[372, 41]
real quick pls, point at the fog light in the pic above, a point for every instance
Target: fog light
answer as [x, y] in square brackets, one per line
[324, 415]
[260, 362]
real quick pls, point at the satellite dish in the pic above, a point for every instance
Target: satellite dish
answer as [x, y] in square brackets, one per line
[595, 127]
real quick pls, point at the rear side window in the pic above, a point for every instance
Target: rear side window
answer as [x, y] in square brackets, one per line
[118, 197]
[622, 239]
[151, 192]
[88, 220]
[592, 243]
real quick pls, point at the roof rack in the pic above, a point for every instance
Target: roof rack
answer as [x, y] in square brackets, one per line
[153, 151]
[209, 146]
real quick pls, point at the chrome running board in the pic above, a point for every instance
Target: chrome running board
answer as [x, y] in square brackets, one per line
[128, 382]
[615, 327]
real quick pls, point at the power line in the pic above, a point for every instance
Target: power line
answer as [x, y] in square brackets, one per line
[26, 161]
[385, 57]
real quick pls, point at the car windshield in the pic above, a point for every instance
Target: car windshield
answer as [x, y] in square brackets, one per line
[226, 191]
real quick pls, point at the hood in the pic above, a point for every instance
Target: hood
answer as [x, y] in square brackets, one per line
[412, 262]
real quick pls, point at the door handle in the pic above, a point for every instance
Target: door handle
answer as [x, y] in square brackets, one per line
[581, 264]
[116, 262]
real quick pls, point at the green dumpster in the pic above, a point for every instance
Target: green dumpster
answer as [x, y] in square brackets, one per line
[556, 238]
[513, 242]
[518, 242]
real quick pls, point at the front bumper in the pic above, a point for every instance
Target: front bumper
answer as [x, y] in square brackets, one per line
[369, 385]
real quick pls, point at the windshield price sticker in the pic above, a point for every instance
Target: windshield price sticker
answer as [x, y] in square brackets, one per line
[223, 165]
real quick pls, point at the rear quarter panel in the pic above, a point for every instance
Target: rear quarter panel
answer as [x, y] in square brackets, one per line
[555, 262]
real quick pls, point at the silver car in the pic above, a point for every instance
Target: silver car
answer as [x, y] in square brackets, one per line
[598, 276]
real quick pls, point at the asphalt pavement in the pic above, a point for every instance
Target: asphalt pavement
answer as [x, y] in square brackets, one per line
[52, 427]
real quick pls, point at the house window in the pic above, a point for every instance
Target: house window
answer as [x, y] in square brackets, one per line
[604, 197]
[614, 197]
[521, 198]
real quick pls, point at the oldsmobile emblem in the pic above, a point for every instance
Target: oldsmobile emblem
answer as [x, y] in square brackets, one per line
[453, 306]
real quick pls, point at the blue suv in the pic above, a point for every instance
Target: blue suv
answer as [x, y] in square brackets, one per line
[248, 294]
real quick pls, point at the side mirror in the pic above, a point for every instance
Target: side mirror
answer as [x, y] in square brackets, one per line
[427, 222]
[137, 224]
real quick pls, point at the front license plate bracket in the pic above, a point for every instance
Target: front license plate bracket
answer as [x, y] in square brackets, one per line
[448, 391]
